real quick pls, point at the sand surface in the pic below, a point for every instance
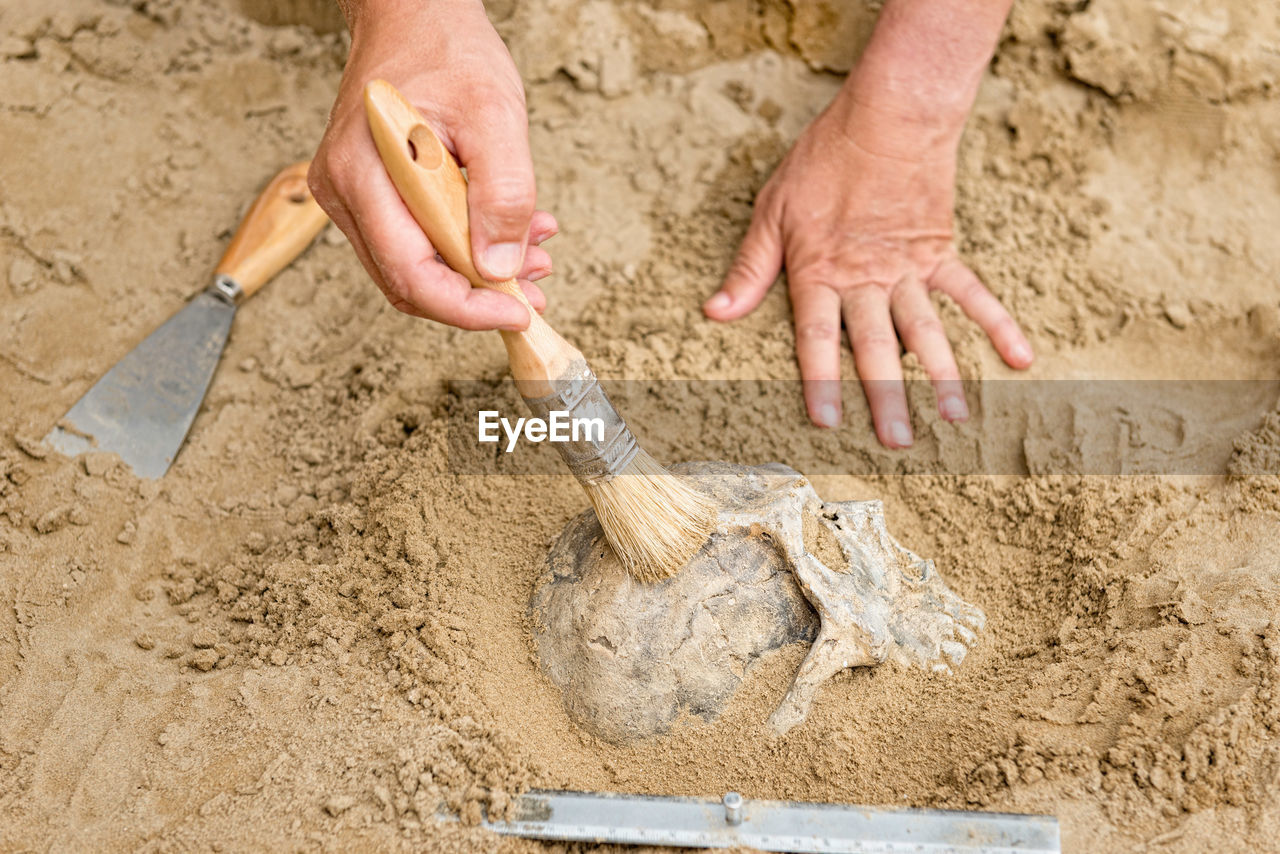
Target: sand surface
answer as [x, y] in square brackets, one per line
[314, 629]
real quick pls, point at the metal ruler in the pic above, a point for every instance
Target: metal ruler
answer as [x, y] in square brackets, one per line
[773, 825]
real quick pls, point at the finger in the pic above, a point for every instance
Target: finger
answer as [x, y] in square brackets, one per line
[407, 262]
[876, 354]
[533, 294]
[755, 268]
[923, 334]
[480, 304]
[542, 228]
[398, 302]
[817, 316]
[537, 264]
[331, 203]
[960, 283]
[342, 218]
[494, 147]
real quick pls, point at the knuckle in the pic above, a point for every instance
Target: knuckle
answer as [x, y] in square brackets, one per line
[805, 288]
[404, 307]
[971, 291]
[315, 178]
[393, 289]
[319, 185]
[844, 275]
[746, 268]
[817, 332]
[924, 327]
[397, 285]
[506, 200]
[328, 175]
[395, 295]
[511, 192]
[813, 275]
[328, 162]
[876, 339]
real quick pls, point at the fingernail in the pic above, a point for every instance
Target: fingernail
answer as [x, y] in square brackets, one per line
[1021, 354]
[539, 275]
[502, 260]
[720, 302]
[954, 408]
[828, 415]
[900, 434]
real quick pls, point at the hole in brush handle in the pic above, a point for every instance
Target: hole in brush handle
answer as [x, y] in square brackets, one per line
[424, 147]
[295, 190]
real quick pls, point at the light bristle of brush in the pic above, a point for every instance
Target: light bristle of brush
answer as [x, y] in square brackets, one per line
[652, 518]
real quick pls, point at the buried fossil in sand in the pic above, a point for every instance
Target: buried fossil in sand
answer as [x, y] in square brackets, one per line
[782, 566]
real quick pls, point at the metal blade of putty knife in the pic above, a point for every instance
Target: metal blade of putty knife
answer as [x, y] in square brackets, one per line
[773, 825]
[143, 407]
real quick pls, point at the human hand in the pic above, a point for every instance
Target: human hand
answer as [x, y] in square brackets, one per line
[450, 63]
[860, 213]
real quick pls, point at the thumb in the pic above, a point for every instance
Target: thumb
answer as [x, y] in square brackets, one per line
[501, 192]
[754, 270]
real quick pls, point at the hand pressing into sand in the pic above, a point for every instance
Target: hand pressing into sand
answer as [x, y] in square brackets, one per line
[447, 59]
[860, 215]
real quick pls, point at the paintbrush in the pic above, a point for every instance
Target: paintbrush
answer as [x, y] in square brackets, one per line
[653, 519]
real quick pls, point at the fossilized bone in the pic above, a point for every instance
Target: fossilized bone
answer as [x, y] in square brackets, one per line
[886, 603]
[630, 658]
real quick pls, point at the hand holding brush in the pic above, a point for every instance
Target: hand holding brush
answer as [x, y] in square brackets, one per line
[653, 520]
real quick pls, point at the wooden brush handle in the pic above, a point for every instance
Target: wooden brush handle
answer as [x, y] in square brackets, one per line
[435, 192]
[282, 222]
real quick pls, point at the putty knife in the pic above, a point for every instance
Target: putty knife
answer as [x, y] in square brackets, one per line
[773, 825]
[143, 407]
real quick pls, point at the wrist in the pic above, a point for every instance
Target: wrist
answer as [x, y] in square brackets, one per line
[896, 90]
[919, 74]
[394, 15]
[910, 128]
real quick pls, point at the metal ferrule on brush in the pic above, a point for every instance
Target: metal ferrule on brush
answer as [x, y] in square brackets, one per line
[226, 289]
[592, 457]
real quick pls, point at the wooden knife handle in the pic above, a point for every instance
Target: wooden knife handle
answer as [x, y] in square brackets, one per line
[435, 192]
[282, 222]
